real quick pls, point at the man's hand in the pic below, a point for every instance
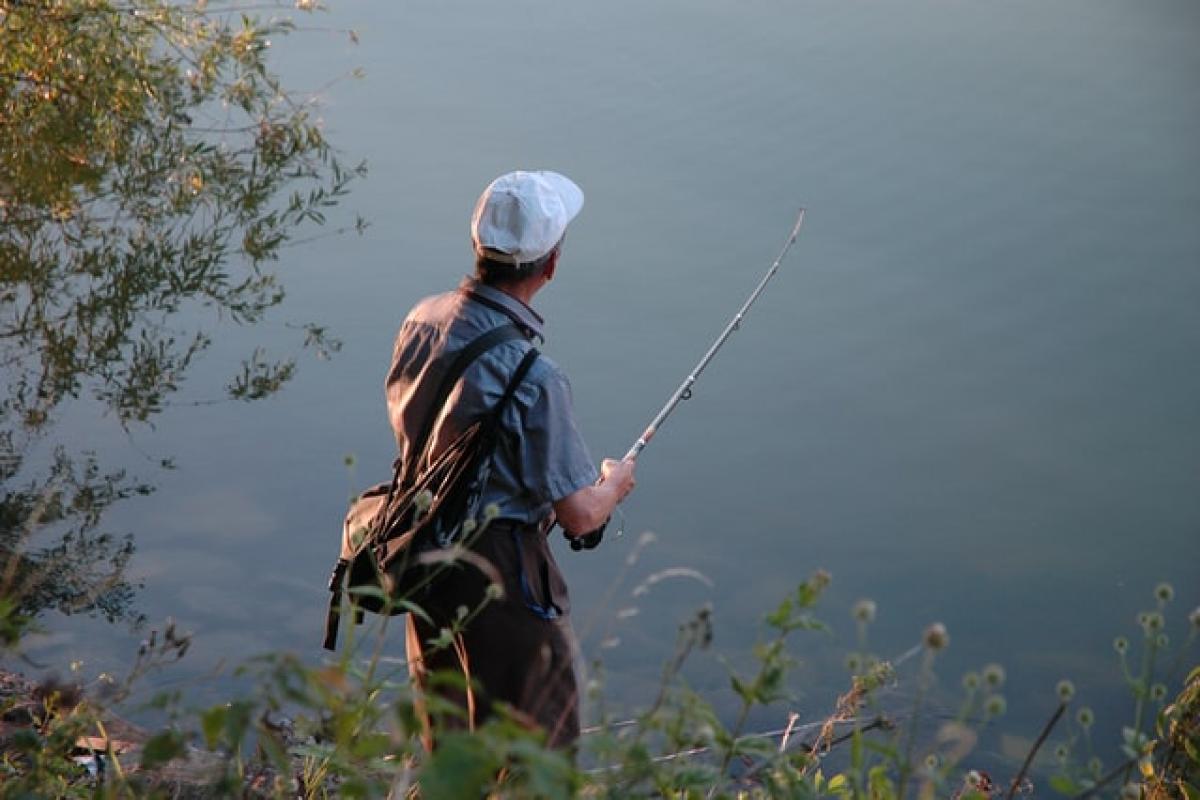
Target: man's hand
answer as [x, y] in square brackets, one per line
[618, 475]
[588, 508]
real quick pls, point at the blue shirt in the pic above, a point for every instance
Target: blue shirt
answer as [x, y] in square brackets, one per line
[542, 457]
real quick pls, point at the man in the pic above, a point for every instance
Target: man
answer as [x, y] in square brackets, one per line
[518, 649]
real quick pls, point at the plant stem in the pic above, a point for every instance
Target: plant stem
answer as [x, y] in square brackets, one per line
[1054, 718]
[922, 685]
[1107, 779]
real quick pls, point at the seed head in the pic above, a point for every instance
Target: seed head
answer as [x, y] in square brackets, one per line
[1163, 641]
[993, 675]
[490, 512]
[970, 681]
[1165, 592]
[1194, 618]
[974, 779]
[1085, 717]
[1095, 766]
[1065, 690]
[1121, 645]
[996, 705]
[864, 610]
[1062, 753]
[1158, 692]
[821, 579]
[932, 762]
[936, 637]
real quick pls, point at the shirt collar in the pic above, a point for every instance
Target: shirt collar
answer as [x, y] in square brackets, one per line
[528, 317]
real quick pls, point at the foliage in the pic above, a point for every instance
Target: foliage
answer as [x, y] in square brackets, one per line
[151, 162]
[349, 728]
[152, 168]
[82, 570]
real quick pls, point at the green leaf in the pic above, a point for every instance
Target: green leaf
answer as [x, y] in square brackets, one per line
[460, 767]
[212, 723]
[161, 748]
[1063, 784]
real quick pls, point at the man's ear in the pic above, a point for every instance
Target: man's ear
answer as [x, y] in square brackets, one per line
[551, 265]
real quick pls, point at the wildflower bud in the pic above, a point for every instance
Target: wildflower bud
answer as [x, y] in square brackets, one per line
[461, 612]
[821, 579]
[1065, 690]
[1158, 692]
[970, 681]
[1095, 766]
[468, 527]
[490, 512]
[1155, 621]
[993, 675]
[494, 591]
[1194, 618]
[932, 761]
[1062, 753]
[348, 459]
[853, 662]
[1165, 592]
[864, 610]
[996, 705]
[1085, 717]
[1121, 645]
[1131, 791]
[1163, 641]
[974, 779]
[936, 637]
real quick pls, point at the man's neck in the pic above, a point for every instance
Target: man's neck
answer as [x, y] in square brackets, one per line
[522, 290]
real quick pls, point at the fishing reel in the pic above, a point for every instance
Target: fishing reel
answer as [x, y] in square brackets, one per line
[588, 541]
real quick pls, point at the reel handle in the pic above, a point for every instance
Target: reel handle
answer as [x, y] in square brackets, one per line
[588, 541]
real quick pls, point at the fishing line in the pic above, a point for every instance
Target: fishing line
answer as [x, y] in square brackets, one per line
[589, 541]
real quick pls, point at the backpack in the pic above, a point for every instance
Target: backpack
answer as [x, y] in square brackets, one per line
[399, 537]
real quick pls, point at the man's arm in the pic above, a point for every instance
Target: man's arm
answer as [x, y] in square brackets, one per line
[586, 509]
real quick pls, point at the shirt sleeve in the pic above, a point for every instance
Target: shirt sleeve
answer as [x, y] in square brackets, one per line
[555, 461]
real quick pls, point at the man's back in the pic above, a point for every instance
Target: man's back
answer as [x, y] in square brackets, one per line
[543, 455]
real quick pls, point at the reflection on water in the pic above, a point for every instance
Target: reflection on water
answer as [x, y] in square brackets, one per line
[968, 394]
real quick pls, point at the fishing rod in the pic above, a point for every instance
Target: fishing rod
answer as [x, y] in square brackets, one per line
[590, 540]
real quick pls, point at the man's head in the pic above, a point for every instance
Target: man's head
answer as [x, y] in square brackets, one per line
[519, 222]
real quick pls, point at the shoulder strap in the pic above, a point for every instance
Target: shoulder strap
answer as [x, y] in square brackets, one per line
[462, 359]
[518, 375]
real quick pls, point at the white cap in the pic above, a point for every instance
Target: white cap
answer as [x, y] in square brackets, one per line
[521, 216]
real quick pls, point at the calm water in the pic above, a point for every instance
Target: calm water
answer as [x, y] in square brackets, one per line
[972, 393]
